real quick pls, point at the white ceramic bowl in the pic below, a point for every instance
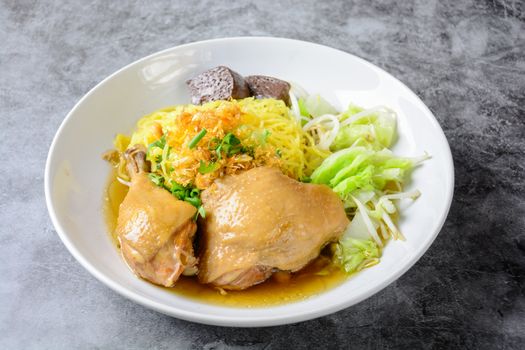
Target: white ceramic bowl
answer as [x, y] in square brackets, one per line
[75, 174]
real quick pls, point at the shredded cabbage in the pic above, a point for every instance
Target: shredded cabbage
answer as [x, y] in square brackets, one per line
[365, 174]
[354, 254]
[360, 168]
[376, 126]
[317, 106]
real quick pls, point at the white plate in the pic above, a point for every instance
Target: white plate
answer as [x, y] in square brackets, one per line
[75, 174]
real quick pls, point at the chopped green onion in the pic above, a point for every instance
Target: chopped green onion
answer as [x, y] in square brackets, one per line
[188, 194]
[214, 143]
[157, 159]
[207, 168]
[218, 150]
[231, 139]
[178, 190]
[195, 192]
[266, 133]
[201, 211]
[264, 137]
[197, 138]
[195, 201]
[156, 179]
[160, 143]
[305, 179]
[230, 145]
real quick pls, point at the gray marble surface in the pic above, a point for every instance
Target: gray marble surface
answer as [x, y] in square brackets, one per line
[464, 58]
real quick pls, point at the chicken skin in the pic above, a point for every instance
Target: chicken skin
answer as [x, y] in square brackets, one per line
[261, 221]
[155, 229]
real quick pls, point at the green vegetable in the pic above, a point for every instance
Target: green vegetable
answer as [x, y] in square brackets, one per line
[316, 106]
[305, 179]
[156, 179]
[195, 201]
[188, 194]
[178, 190]
[265, 135]
[352, 168]
[156, 158]
[302, 107]
[193, 143]
[362, 180]
[160, 143]
[359, 171]
[208, 168]
[201, 211]
[354, 254]
[360, 168]
[231, 145]
[334, 163]
[359, 175]
[350, 111]
[185, 193]
[375, 129]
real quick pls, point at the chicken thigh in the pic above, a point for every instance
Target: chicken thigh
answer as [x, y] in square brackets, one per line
[261, 221]
[155, 229]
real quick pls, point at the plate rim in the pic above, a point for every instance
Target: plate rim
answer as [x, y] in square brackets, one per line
[239, 321]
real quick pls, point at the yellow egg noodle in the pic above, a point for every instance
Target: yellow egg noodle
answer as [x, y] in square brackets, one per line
[266, 127]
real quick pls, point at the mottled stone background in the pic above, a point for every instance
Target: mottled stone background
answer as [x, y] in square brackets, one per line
[464, 58]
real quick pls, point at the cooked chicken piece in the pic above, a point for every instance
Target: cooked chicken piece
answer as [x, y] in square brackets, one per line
[154, 228]
[261, 221]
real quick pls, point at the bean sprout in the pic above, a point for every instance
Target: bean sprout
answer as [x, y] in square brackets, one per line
[295, 106]
[326, 127]
[368, 222]
[124, 182]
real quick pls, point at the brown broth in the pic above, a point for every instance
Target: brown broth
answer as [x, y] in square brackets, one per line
[281, 288]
